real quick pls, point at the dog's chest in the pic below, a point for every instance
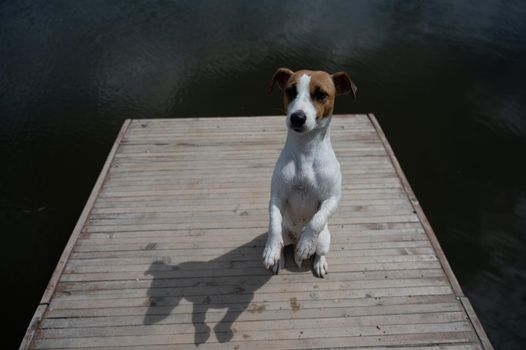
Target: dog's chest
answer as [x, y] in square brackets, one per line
[300, 178]
[301, 189]
[304, 183]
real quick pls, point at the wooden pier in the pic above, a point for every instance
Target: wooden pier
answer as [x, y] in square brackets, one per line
[167, 252]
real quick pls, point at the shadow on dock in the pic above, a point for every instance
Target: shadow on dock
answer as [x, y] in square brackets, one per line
[226, 282]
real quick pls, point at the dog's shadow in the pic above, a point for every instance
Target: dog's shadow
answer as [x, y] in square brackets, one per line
[226, 282]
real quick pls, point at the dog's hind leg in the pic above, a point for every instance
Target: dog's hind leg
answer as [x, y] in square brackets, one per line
[321, 268]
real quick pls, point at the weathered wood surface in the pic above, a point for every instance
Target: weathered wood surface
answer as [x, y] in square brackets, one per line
[167, 253]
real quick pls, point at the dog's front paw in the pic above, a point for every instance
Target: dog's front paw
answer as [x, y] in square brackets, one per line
[272, 256]
[321, 268]
[305, 248]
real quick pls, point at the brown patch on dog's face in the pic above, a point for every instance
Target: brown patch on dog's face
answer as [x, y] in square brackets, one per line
[322, 93]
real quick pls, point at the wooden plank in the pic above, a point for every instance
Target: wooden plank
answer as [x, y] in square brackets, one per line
[124, 307]
[241, 191]
[229, 151]
[227, 187]
[87, 290]
[327, 343]
[425, 341]
[174, 201]
[148, 257]
[369, 206]
[239, 181]
[308, 333]
[104, 290]
[160, 173]
[155, 248]
[355, 232]
[114, 276]
[171, 223]
[166, 289]
[145, 226]
[142, 156]
[129, 312]
[105, 242]
[265, 321]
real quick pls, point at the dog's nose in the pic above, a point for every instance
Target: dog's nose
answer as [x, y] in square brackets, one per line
[297, 119]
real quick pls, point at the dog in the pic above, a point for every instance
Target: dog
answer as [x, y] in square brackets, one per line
[306, 183]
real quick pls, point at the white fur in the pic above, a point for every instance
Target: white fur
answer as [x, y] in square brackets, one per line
[305, 190]
[302, 102]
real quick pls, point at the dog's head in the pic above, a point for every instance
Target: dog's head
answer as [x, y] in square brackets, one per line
[309, 96]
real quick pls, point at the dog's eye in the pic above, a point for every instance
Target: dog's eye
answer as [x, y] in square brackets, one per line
[291, 92]
[320, 95]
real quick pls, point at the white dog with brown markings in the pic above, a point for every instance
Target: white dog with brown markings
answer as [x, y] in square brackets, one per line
[306, 184]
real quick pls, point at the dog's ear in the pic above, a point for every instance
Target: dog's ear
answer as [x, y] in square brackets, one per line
[281, 77]
[344, 84]
[151, 271]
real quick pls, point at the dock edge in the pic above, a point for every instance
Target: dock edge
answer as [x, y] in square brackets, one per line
[77, 230]
[475, 322]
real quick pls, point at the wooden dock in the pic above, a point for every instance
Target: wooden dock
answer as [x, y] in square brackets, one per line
[167, 252]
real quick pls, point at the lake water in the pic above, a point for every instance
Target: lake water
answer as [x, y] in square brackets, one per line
[446, 79]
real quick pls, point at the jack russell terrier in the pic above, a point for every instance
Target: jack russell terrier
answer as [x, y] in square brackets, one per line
[306, 184]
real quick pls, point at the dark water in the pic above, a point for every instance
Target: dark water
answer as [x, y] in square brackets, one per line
[446, 79]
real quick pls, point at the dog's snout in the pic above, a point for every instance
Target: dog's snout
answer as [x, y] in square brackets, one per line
[297, 119]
